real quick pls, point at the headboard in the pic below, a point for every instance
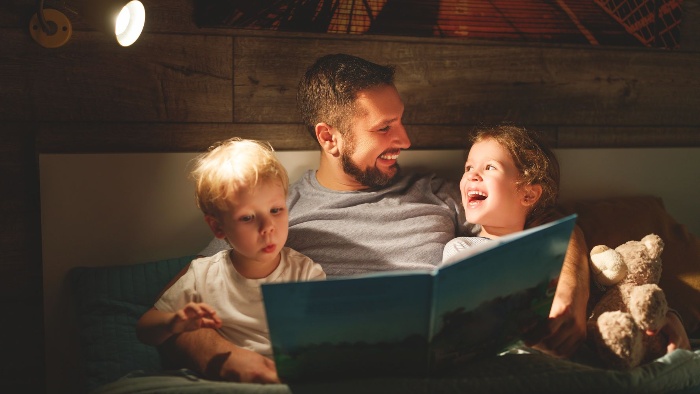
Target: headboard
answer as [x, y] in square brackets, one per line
[116, 209]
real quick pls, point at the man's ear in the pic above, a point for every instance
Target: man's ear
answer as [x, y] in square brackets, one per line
[215, 226]
[327, 138]
[532, 194]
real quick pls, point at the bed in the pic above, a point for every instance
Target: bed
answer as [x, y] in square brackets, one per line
[109, 300]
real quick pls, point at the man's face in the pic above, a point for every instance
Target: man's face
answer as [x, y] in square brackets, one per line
[376, 136]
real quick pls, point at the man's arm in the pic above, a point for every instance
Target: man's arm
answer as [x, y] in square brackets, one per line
[207, 352]
[567, 318]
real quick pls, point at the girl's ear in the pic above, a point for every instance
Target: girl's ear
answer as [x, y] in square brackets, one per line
[215, 226]
[327, 138]
[532, 195]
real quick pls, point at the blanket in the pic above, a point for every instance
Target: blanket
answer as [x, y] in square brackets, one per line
[518, 371]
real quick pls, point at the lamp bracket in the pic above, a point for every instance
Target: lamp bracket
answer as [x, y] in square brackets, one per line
[60, 29]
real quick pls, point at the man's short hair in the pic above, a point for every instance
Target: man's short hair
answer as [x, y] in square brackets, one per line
[329, 88]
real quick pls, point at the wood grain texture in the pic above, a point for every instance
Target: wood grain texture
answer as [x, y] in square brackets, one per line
[180, 88]
[467, 84]
[92, 137]
[84, 137]
[178, 78]
[20, 265]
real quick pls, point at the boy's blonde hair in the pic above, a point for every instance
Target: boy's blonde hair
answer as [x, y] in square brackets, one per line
[232, 166]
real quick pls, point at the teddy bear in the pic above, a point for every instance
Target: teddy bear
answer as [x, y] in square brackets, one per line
[632, 307]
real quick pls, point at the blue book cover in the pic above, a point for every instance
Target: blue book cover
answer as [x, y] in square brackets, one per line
[417, 323]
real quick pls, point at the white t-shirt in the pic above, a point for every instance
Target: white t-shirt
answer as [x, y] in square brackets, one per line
[460, 244]
[237, 300]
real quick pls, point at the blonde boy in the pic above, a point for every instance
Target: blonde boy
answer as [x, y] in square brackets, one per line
[241, 188]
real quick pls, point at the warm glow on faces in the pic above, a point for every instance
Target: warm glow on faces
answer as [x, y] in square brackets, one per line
[369, 153]
[490, 194]
[256, 226]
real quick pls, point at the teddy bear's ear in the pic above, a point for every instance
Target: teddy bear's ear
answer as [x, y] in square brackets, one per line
[607, 265]
[654, 245]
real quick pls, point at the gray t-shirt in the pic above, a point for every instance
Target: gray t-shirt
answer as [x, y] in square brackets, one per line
[401, 227]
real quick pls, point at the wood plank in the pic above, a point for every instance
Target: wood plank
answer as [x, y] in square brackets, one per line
[690, 26]
[20, 266]
[20, 235]
[85, 137]
[456, 137]
[181, 78]
[173, 16]
[17, 13]
[628, 137]
[450, 83]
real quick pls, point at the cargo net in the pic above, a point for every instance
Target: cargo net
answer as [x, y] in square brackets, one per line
[655, 23]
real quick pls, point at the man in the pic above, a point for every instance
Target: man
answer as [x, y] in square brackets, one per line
[358, 213]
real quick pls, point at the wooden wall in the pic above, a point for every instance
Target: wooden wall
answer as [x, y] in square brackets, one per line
[180, 88]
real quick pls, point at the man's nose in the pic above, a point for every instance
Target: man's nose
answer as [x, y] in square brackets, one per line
[401, 137]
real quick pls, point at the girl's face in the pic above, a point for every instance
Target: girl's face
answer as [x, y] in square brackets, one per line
[256, 227]
[490, 193]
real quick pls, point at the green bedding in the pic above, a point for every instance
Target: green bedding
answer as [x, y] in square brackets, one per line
[109, 301]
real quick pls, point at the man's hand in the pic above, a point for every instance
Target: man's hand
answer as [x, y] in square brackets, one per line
[674, 330]
[208, 353]
[242, 365]
[563, 333]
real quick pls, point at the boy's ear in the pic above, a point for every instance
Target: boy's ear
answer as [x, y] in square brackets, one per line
[215, 226]
[327, 138]
[532, 194]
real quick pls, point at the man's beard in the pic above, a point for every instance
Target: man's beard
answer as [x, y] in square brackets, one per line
[371, 177]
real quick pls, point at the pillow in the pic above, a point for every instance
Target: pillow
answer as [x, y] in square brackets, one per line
[614, 221]
[108, 303]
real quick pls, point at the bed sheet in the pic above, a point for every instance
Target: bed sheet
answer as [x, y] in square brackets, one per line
[518, 371]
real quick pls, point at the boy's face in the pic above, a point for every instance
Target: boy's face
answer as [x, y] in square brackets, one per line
[490, 194]
[376, 137]
[256, 225]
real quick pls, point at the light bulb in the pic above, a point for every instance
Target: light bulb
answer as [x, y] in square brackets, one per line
[130, 23]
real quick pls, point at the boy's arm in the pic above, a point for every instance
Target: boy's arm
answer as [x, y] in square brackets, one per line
[208, 353]
[567, 318]
[154, 327]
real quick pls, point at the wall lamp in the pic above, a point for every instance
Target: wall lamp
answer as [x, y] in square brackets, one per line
[123, 19]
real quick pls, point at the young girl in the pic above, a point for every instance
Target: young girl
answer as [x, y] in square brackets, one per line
[241, 188]
[510, 183]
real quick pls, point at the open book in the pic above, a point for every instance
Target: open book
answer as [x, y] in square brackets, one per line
[417, 323]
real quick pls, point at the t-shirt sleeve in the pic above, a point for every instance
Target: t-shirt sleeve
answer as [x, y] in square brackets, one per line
[452, 248]
[316, 272]
[179, 294]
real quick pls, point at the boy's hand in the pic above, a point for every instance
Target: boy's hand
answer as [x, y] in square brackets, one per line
[193, 316]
